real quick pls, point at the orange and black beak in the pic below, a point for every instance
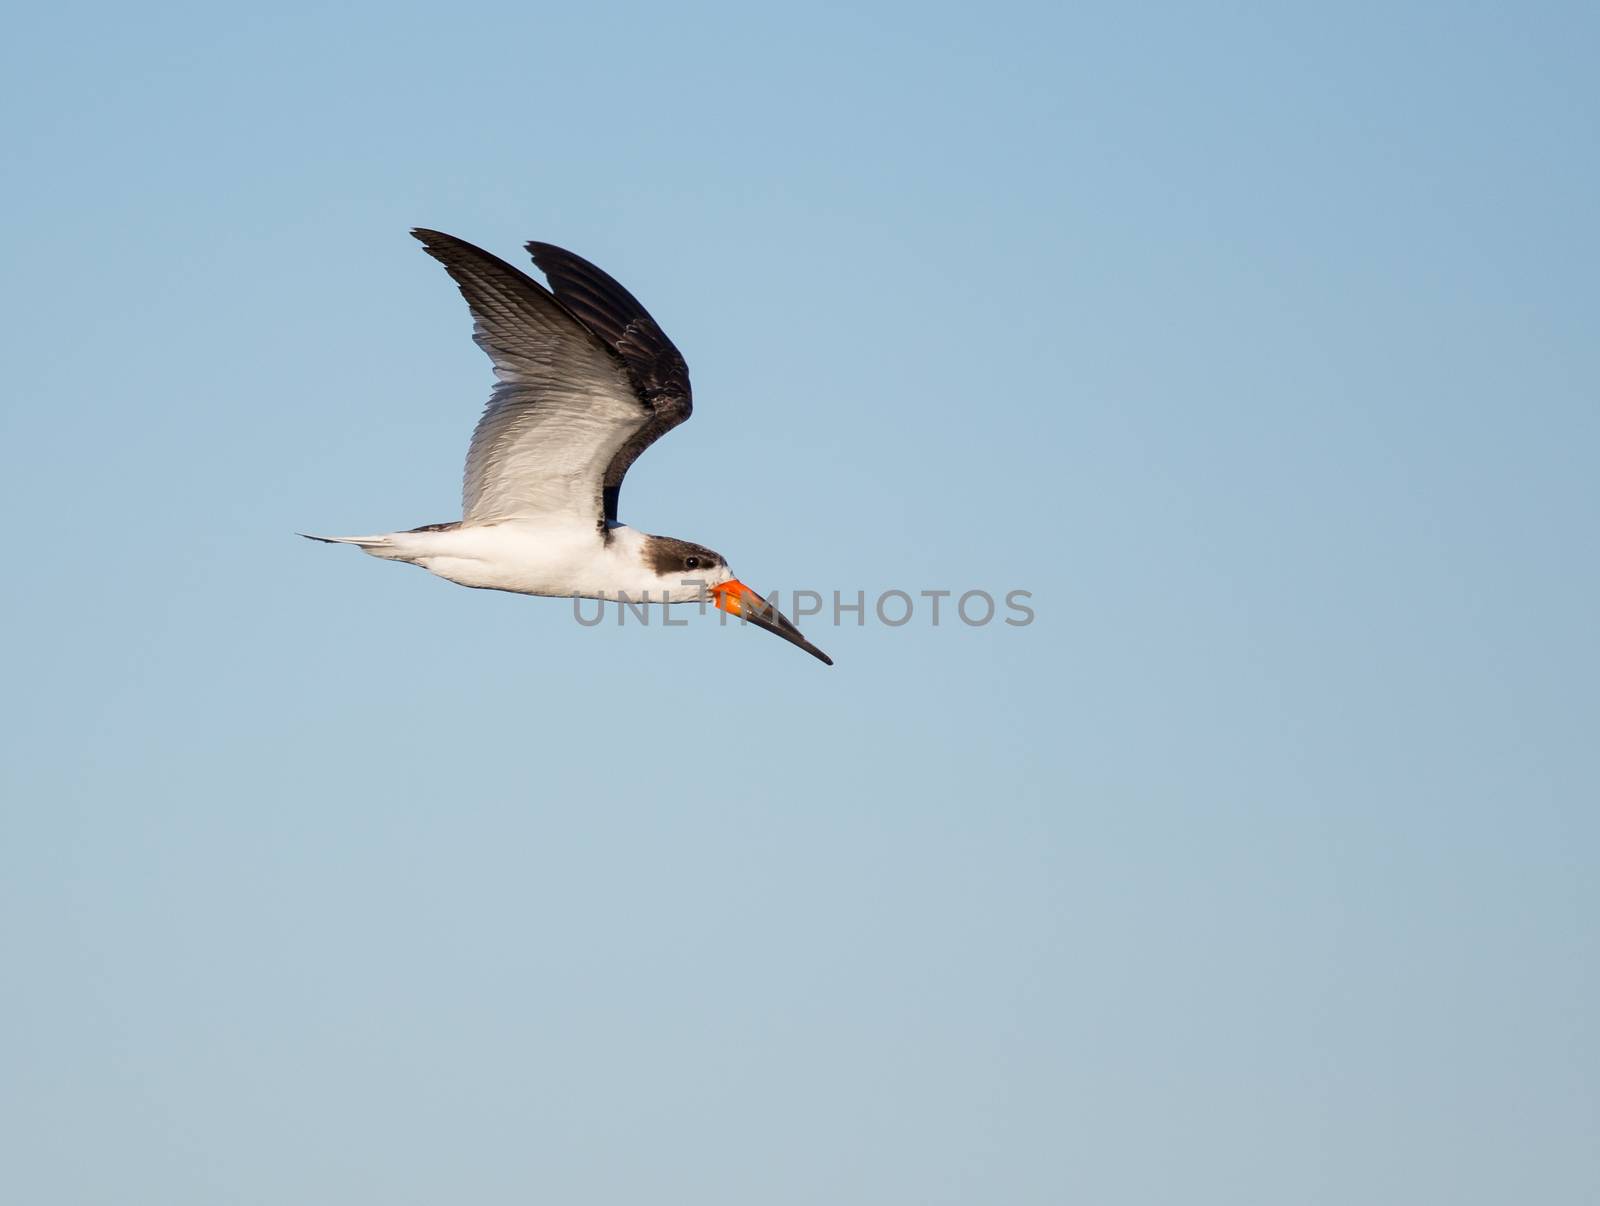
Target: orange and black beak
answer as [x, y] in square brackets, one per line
[737, 599]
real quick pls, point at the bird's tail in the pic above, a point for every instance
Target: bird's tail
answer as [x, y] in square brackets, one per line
[365, 542]
[385, 546]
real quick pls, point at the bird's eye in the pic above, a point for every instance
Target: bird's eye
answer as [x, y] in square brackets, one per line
[692, 563]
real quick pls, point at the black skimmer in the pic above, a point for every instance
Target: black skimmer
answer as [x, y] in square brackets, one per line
[587, 382]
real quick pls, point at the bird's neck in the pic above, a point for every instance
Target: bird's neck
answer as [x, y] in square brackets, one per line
[635, 572]
[627, 573]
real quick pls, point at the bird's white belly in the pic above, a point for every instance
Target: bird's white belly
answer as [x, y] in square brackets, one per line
[528, 558]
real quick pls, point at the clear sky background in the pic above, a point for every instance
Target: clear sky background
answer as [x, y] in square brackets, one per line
[1258, 342]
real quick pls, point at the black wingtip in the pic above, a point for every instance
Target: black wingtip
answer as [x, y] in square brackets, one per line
[436, 241]
[432, 240]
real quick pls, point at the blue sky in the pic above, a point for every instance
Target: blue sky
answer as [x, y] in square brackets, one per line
[1255, 341]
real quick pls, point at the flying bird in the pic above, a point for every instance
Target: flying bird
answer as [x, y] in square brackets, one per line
[587, 382]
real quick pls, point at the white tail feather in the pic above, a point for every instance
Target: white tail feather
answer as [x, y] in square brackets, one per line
[366, 542]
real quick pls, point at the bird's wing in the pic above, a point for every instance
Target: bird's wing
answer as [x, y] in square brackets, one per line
[565, 405]
[656, 369]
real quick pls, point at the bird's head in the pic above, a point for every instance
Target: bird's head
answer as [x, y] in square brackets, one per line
[686, 572]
